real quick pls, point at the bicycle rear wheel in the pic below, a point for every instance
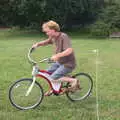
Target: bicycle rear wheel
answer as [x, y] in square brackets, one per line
[18, 97]
[85, 84]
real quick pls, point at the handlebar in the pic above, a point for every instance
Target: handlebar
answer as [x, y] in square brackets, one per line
[48, 60]
[32, 49]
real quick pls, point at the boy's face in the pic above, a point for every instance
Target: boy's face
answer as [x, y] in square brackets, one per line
[49, 32]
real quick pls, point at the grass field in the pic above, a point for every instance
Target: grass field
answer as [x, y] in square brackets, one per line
[14, 65]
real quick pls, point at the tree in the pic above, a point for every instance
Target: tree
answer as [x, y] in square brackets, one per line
[66, 12]
[108, 21]
[4, 11]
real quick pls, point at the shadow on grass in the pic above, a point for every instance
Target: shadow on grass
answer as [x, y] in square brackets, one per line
[60, 102]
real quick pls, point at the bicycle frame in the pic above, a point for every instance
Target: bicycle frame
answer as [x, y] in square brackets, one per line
[36, 72]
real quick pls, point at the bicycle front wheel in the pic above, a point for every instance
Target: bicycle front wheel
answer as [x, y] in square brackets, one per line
[18, 97]
[84, 89]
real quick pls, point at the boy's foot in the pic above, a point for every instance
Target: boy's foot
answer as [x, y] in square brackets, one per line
[75, 86]
[48, 93]
[64, 90]
[74, 83]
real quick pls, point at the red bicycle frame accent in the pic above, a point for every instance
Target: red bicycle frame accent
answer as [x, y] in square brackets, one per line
[44, 74]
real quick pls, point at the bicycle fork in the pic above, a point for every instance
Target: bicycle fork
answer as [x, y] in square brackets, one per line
[34, 73]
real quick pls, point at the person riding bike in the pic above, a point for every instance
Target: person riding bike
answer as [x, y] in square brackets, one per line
[64, 57]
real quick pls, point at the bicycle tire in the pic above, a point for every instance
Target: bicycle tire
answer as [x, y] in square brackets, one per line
[86, 85]
[17, 94]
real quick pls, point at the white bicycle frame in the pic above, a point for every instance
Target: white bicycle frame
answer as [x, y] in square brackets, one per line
[36, 72]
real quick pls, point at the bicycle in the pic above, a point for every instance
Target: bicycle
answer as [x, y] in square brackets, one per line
[27, 93]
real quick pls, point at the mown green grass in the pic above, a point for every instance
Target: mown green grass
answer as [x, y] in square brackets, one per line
[14, 65]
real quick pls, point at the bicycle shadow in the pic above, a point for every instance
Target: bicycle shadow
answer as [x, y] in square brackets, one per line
[60, 102]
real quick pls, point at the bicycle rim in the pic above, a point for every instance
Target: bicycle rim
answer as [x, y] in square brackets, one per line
[18, 98]
[85, 87]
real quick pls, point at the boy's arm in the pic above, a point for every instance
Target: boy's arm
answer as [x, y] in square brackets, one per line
[67, 52]
[43, 43]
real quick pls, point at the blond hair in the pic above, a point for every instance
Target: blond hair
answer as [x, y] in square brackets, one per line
[51, 25]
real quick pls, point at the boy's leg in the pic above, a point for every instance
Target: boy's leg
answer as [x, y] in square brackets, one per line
[72, 81]
[60, 72]
[59, 75]
[53, 67]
